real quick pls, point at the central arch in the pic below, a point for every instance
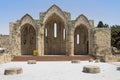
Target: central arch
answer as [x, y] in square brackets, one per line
[28, 39]
[54, 38]
[81, 41]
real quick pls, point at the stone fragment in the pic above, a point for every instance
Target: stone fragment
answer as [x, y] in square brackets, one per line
[97, 60]
[91, 60]
[91, 69]
[31, 62]
[13, 71]
[75, 61]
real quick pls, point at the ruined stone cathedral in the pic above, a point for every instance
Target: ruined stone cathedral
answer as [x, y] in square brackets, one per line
[54, 33]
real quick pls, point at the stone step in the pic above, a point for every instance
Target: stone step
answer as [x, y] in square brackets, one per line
[52, 58]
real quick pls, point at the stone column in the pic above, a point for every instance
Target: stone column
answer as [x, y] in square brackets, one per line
[41, 40]
[19, 42]
[37, 39]
[91, 41]
[10, 37]
[39, 47]
[70, 42]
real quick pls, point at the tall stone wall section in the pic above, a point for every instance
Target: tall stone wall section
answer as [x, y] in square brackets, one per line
[102, 41]
[14, 47]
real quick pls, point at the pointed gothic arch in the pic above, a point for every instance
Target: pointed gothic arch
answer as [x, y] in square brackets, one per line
[54, 10]
[81, 28]
[27, 19]
[82, 19]
[54, 44]
[81, 47]
[28, 35]
[28, 39]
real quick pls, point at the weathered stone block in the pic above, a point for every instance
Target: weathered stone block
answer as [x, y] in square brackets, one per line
[97, 60]
[4, 58]
[91, 69]
[91, 60]
[75, 61]
[13, 71]
[31, 62]
[19, 70]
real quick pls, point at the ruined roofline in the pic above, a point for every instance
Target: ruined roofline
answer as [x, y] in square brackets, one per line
[4, 34]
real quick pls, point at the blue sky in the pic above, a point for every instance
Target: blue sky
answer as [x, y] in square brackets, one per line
[107, 11]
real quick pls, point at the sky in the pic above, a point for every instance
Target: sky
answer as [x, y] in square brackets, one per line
[107, 11]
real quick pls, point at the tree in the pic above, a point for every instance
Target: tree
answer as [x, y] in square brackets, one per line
[115, 36]
[106, 25]
[40, 23]
[100, 24]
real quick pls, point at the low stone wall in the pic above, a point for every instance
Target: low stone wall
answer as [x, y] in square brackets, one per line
[112, 58]
[5, 58]
[4, 41]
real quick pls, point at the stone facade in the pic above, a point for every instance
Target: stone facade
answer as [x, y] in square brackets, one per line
[56, 34]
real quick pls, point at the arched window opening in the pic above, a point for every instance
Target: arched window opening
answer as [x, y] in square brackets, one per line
[64, 34]
[46, 33]
[78, 39]
[28, 39]
[55, 30]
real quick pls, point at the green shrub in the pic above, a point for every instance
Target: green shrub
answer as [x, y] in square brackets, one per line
[40, 23]
[35, 52]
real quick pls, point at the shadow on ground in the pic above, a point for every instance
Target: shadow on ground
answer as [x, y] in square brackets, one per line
[118, 69]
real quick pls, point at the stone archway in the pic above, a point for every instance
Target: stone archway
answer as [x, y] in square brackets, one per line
[81, 42]
[28, 39]
[55, 36]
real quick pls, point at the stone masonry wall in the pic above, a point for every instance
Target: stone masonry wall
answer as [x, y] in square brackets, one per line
[14, 39]
[99, 39]
[102, 41]
[4, 41]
